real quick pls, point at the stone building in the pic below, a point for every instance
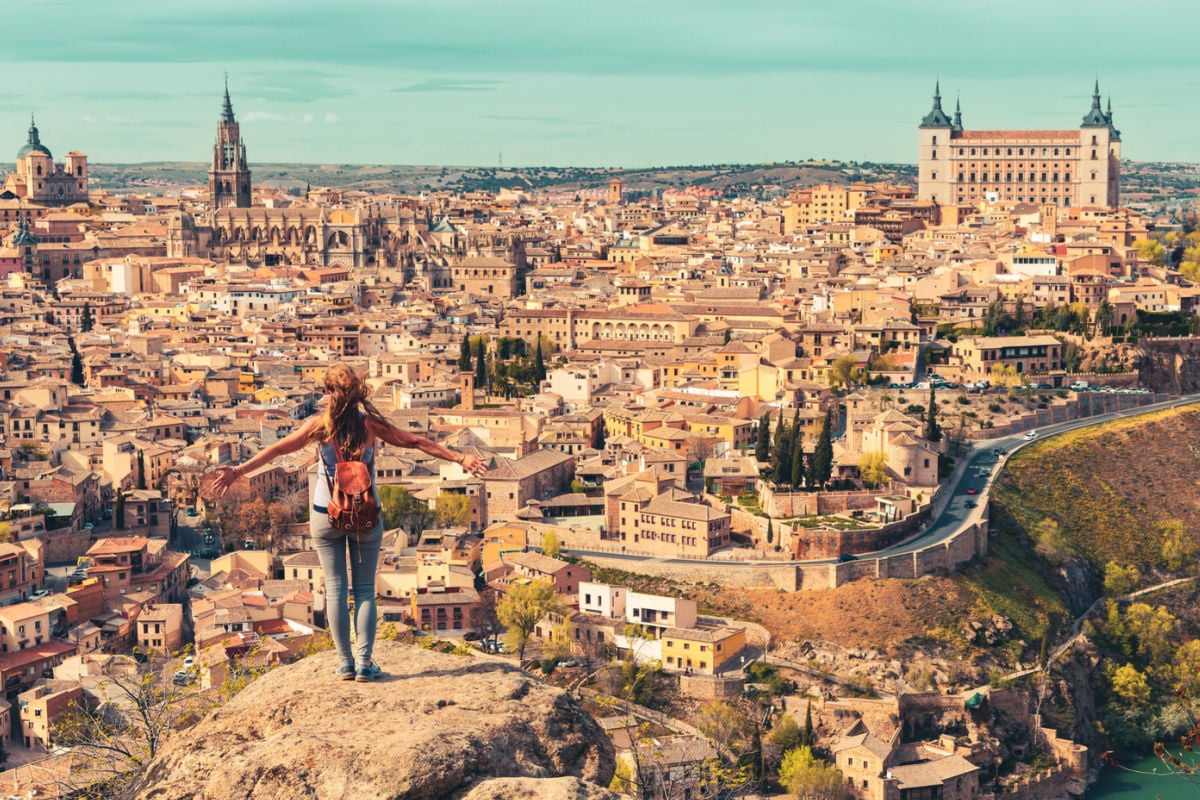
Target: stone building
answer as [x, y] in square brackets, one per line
[39, 179]
[1065, 168]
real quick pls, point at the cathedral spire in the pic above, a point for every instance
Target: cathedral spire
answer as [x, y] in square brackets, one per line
[227, 111]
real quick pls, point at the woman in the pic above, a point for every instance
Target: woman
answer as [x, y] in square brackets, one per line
[349, 423]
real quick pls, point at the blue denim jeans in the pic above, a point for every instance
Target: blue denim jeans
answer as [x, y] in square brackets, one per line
[336, 551]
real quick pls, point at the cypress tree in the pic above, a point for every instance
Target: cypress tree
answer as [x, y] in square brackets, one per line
[820, 466]
[464, 354]
[539, 362]
[119, 513]
[85, 319]
[77, 369]
[797, 460]
[933, 431]
[481, 365]
[141, 470]
[770, 530]
[781, 457]
[762, 447]
[808, 738]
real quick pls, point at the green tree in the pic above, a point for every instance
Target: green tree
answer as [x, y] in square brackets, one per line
[523, 607]
[933, 431]
[550, 544]
[842, 372]
[809, 737]
[401, 509]
[770, 530]
[1104, 317]
[119, 513]
[141, 470]
[539, 362]
[724, 723]
[481, 365]
[1151, 251]
[1153, 629]
[1049, 542]
[1120, 581]
[797, 474]
[781, 456]
[762, 445]
[1178, 547]
[820, 466]
[807, 777]
[787, 734]
[85, 318]
[77, 369]
[1130, 686]
[873, 468]
[452, 510]
[464, 354]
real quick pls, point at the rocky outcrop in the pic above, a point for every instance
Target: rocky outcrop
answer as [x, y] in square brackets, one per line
[436, 726]
[1169, 365]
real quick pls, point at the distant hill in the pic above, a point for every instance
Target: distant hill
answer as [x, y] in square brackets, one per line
[732, 179]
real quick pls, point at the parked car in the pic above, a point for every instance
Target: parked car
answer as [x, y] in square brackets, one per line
[568, 662]
[844, 557]
[39, 594]
[970, 504]
[191, 512]
[472, 636]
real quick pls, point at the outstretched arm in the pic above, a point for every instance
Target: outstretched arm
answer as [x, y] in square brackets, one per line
[382, 429]
[226, 476]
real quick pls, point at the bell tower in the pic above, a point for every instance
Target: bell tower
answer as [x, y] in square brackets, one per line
[229, 177]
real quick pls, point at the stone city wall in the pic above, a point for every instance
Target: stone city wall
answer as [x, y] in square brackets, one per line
[64, 545]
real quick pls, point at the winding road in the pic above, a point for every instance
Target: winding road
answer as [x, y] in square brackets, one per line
[984, 462]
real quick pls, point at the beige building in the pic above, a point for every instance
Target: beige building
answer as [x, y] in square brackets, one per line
[1065, 168]
[41, 708]
[976, 355]
[160, 628]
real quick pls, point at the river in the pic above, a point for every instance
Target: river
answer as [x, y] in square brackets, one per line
[1121, 784]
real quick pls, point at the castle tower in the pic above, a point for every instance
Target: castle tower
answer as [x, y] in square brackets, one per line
[933, 179]
[1100, 169]
[229, 177]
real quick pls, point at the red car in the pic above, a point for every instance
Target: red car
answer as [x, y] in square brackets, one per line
[970, 490]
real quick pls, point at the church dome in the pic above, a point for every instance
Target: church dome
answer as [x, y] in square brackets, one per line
[34, 144]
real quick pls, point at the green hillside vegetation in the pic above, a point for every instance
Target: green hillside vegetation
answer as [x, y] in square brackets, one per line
[1120, 497]
[1111, 489]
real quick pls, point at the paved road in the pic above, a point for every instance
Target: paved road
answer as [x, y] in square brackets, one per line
[983, 464]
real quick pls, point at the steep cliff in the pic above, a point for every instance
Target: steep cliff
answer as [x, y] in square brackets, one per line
[437, 726]
[1169, 365]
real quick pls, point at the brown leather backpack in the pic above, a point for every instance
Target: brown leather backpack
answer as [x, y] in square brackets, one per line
[352, 505]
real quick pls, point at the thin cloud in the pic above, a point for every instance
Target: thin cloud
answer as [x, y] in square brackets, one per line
[449, 85]
[331, 118]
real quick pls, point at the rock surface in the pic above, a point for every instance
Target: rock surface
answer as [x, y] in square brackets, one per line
[436, 726]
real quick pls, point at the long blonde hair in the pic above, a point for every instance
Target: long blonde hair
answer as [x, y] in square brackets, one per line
[344, 421]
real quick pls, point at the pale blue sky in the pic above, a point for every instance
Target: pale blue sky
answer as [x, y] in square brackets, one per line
[624, 83]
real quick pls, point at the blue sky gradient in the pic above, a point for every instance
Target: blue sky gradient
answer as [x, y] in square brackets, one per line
[604, 83]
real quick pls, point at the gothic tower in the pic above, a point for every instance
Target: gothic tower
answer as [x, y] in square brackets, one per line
[229, 177]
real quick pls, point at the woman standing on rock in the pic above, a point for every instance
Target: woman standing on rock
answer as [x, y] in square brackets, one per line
[347, 430]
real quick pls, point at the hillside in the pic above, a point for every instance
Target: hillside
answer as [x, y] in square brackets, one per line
[168, 177]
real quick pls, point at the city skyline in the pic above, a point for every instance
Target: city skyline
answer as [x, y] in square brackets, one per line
[556, 84]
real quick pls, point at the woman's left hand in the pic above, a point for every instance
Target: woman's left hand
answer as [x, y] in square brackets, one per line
[222, 478]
